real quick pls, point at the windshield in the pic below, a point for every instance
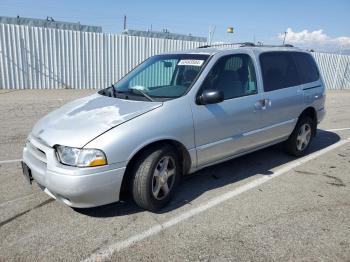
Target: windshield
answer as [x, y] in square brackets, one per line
[161, 77]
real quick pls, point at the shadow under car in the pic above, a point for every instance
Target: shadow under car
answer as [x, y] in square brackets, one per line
[216, 176]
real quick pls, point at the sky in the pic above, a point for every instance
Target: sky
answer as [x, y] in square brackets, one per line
[320, 25]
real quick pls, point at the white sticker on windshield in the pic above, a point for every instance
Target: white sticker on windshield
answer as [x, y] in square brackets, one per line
[191, 62]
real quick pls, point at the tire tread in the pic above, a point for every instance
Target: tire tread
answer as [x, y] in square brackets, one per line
[140, 183]
[290, 144]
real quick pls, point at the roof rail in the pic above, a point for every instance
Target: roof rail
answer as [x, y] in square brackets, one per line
[229, 44]
[244, 44]
[285, 45]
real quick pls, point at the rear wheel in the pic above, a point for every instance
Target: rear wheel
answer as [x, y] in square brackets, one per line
[156, 175]
[299, 141]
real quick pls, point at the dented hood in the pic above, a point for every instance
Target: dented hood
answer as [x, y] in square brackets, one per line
[78, 122]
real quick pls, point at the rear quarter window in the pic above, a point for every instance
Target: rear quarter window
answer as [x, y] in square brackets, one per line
[278, 70]
[307, 67]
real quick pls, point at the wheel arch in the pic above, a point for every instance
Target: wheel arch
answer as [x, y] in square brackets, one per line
[184, 157]
[310, 112]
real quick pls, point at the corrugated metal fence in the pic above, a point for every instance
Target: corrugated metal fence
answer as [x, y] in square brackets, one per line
[44, 58]
[335, 70]
[33, 57]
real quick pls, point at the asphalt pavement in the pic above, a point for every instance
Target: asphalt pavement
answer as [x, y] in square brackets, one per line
[265, 206]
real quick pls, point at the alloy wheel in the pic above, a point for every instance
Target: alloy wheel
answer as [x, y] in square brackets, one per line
[163, 177]
[304, 136]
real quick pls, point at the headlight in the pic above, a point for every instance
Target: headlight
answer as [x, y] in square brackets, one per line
[81, 157]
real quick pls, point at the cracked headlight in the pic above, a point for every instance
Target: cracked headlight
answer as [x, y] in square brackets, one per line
[81, 157]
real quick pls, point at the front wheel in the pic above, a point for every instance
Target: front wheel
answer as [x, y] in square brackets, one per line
[299, 141]
[156, 175]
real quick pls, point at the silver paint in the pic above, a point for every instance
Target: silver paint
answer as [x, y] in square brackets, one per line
[121, 128]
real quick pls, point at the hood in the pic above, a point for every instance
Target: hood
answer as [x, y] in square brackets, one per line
[78, 122]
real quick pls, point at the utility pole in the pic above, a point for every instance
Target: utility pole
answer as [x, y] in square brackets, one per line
[124, 22]
[285, 35]
[211, 34]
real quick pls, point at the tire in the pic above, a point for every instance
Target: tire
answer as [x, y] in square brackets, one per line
[151, 176]
[297, 143]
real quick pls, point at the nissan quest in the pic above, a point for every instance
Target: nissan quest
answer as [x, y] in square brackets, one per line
[172, 115]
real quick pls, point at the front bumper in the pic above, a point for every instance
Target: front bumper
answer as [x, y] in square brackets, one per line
[75, 187]
[320, 115]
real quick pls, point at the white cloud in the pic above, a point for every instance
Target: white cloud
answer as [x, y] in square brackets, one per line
[317, 40]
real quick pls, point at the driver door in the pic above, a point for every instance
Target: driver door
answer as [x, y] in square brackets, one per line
[228, 128]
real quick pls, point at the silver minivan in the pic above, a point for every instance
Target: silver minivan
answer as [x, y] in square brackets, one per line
[174, 114]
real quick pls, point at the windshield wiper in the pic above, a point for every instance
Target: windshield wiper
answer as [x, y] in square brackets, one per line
[138, 88]
[113, 91]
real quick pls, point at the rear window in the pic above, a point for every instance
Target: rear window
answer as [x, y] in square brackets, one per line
[307, 68]
[278, 70]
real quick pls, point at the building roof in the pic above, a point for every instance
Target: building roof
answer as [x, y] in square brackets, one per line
[49, 23]
[165, 35]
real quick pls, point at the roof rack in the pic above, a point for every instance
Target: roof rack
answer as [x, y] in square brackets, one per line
[285, 45]
[243, 44]
[229, 44]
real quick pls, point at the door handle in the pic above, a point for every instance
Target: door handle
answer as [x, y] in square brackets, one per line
[262, 104]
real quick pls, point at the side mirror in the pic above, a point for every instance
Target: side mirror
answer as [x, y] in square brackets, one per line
[210, 97]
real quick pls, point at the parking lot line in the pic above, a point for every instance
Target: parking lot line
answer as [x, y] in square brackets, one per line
[108, 251]
[26, 197]
[338, 129]
[10, 161]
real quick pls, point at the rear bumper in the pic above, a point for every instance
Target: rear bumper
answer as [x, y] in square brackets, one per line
[75, 187]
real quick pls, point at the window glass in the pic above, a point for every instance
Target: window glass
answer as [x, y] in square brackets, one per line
[307, 67]
[278, 70]
[185, 75]
[146, 78]
[234, 75]
[162, 76]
